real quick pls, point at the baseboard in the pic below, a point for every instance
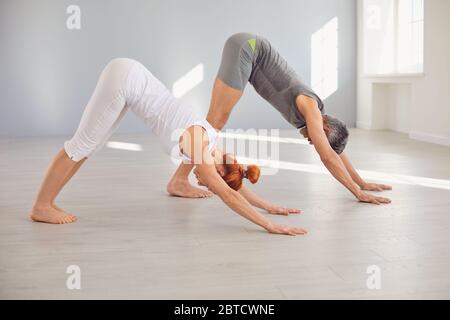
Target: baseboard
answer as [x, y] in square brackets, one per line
[431, 138]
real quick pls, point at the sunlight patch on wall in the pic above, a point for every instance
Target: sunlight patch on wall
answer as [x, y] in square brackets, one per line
[324, 59]
[189, 81]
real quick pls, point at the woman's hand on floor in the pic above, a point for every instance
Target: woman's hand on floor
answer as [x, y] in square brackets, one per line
[280, 229]
[282, 211]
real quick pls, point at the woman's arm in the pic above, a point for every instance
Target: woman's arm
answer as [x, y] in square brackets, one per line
[239, 204]
[259, 202]
[197, 149]
[357, 178]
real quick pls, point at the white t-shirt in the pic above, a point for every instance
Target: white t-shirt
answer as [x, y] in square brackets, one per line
[167, 116]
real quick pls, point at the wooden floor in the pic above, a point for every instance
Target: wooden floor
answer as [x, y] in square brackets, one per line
[134, 241]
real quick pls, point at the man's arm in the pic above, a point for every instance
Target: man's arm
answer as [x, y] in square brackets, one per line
[308, 108]
[357, 178]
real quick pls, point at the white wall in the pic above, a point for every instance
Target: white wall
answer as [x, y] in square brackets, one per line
[382, 101]
[48, 72]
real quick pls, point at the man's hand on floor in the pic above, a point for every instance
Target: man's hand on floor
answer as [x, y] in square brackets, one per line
[368, 198]
[375, 187]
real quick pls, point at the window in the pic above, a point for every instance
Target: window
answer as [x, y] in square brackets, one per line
[324, 59]
[393, 36]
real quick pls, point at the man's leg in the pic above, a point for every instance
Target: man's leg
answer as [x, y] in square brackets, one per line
[232, 77]
[224, 98]
[179, 185]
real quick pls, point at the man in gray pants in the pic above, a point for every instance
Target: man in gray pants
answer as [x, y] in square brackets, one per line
[250, 58]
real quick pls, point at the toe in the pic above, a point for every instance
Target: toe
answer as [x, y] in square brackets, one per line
[65, 219]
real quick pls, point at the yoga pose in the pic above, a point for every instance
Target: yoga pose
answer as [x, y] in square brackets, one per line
[126, 84]
[250, 58]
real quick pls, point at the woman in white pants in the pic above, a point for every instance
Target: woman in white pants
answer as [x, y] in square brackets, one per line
[126, 84]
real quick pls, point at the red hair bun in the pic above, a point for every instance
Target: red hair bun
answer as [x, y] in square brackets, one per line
[252, 173]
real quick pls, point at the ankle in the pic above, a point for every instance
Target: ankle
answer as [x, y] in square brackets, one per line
[38, 206]
[179, 180]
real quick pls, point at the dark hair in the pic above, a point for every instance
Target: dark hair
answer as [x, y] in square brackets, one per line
[337, 133]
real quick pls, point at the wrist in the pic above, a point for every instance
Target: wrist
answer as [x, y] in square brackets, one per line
[358, 193]
[268, 225]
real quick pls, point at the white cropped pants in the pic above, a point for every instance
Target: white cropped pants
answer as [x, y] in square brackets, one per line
[126, 84]
[105, 109]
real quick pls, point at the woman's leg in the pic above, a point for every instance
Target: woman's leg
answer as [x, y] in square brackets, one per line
[67, 178]
[104, 111]
[57, 176]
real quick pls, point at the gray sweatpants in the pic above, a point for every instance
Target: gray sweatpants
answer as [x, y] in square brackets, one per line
[237, 60]
[249, 58]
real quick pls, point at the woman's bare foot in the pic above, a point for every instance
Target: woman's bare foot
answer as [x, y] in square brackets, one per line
[182, 188]
[50, 214]
[61, 209]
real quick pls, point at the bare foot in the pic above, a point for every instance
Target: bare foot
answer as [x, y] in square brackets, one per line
[61, 209]
[185, 190]
[64, 211]
[49, 214]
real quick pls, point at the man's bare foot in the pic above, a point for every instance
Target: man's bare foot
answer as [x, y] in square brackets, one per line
[185, 190]
[49, 214]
